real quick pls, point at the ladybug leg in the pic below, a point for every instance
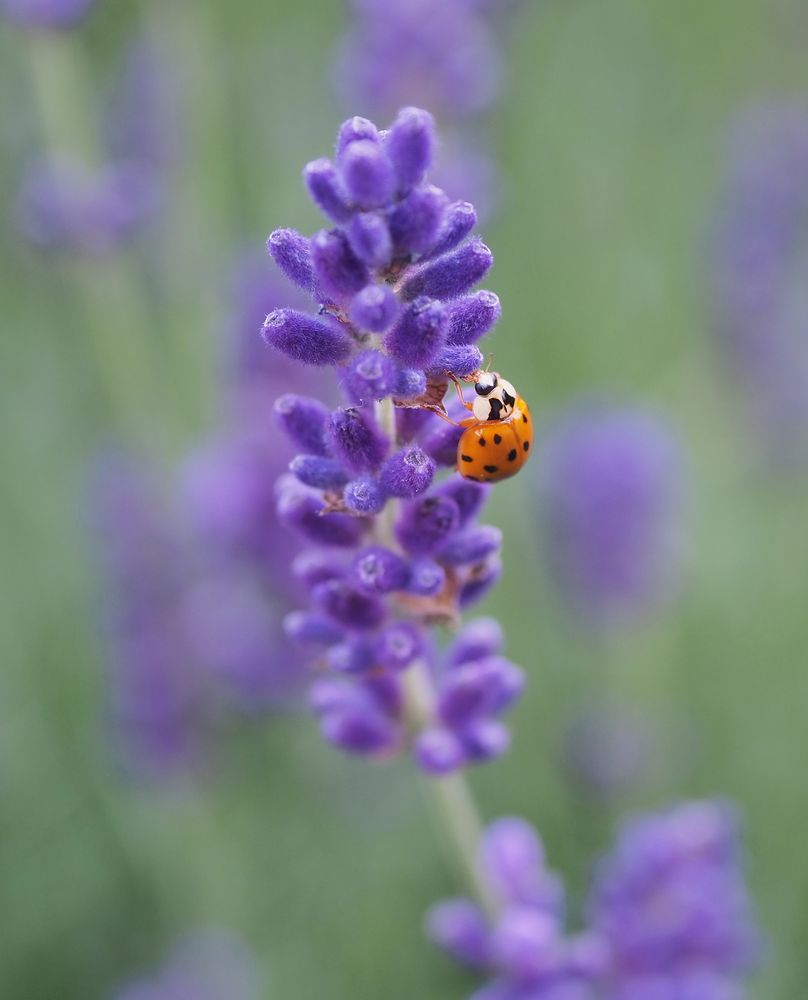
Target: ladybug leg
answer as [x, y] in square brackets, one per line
[439, 411]
[459, 391]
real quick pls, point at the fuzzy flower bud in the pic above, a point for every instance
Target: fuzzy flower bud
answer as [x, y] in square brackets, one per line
[292, 253]
[309, 339]
[357, 440]
[407, 473]
[419, 334]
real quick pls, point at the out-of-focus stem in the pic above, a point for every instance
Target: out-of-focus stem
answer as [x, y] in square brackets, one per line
[450, 796]
[115, 321]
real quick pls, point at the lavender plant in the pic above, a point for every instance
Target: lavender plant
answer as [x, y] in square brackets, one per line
[760, 307]
[611, 498]
[75, 201]
[667, 916]
[393, 552]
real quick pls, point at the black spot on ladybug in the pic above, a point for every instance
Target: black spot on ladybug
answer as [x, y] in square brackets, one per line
[512, 455]
[491, 468]
[524, 418]
[466, 458]
[497, 439]
[526, 445]
[483, 441]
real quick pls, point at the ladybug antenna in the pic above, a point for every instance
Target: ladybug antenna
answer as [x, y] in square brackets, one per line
[489, 362]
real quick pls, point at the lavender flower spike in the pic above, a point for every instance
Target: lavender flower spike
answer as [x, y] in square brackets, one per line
[364, 479]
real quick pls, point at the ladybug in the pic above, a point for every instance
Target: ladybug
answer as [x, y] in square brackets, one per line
[497, 438]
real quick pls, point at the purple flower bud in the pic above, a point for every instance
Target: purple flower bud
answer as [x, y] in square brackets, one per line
[458, 221]
[299, 509]
[291, 252]
[425, 524]
[527, 946]
[427, 577]
[419, 334]
[385, 690]
[484, 739]
[472, 316]
[477, 688]
[470, 497]
[364, 496]
[369, 375]
[353, 656]
[416, 220]
[366, 173]
[339, 271]
[407, 473]
[511, 858]
[410, 383]
[348, 605]
[357, 440]
[308, 339]
[459, 359]
[304, 626]
[452, 274]
[313, 566]
[305, 420]
[472, 545]
[439, 751]
[397, 645]
[370, 240]
[480, 582]
[460, 928]
[477, 639]
[410, 145]
[321, 473]
[374, 308]
[325, 189]
[380, 571]
[356, 724]
[354, 129]
[441, 443]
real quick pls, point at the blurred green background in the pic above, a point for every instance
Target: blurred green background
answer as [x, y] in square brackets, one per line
[611, 134]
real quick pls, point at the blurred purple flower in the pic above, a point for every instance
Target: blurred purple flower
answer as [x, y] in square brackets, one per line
[671, 904]
[67, 205]
[440, 56]
[610, 500]
[46, 13]
[607, 748]
[668, 916]
[760, 300]
[209, 965]
[143, 113]
[64, 205]
[155, 690]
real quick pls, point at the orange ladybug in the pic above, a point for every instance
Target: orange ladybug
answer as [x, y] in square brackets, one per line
[498, 436]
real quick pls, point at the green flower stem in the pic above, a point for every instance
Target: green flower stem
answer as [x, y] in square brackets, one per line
[450, 796]
[115, 321]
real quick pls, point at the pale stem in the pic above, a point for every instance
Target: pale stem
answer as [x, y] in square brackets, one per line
[451, 797]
